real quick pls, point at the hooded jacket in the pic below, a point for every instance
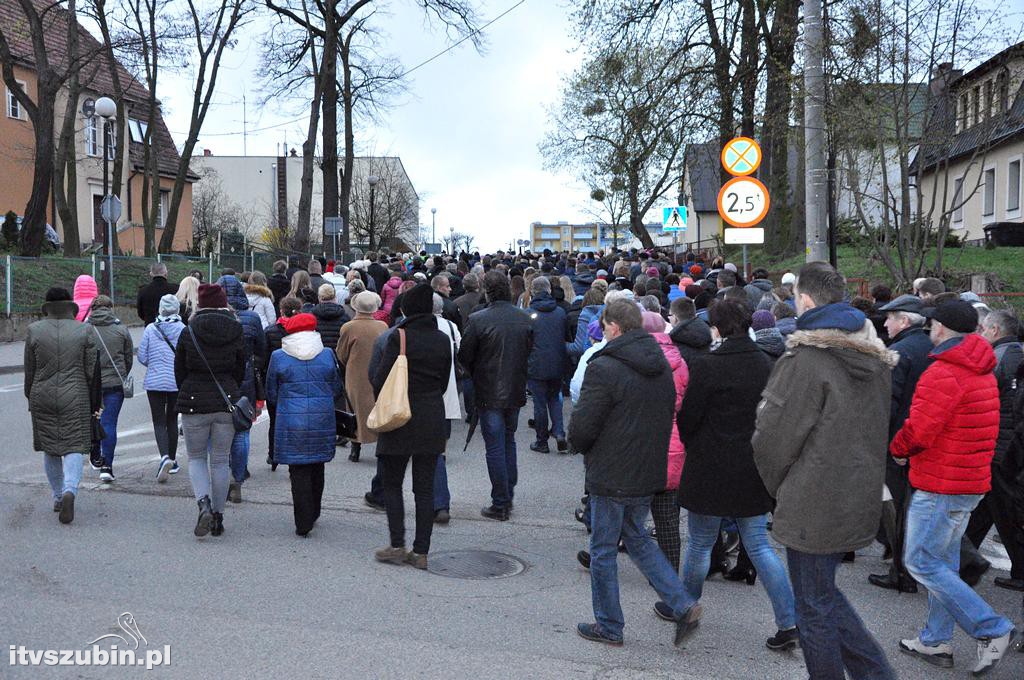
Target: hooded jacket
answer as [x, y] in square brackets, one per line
[330, 317]
[786, 326]
[624, 440]
[716, 422]
[390, 292]
[60, 386]
[220, 337]
[156, 353]
[582, 282]
[119, 347]
[756, 290]
[822, 426]
[261, 301]
[85, 292]
[681, 378]
[548, 356]
[692, 338]
[581, 339]
[302, 382]
[913, 347]
[771, 342]
[252, 332]
[950, 435]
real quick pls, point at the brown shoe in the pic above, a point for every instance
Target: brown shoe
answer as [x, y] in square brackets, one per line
[392, 555]
[416, 560]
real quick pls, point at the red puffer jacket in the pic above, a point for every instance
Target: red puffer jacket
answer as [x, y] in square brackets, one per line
[950, 436]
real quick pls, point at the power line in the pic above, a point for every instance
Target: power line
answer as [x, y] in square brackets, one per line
[418, 66]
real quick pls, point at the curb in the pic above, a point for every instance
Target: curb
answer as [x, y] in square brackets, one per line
[8, 370]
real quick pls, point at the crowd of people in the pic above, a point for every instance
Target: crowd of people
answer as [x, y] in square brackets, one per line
[786, 409]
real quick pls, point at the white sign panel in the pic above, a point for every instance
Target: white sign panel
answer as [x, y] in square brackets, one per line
[745, 236]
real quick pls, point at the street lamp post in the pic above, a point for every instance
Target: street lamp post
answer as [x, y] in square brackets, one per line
[372, 181]
[106, 109]
[451, 238]
[433, 225]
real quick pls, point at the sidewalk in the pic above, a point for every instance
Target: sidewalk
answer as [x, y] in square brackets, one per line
[12, 354]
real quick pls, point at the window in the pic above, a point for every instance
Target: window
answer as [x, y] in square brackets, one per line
[13, 105]
[963, 111]
[137, 128]
[165, 201]
[93, 133]
[977, 105]
[989, 204]
[958, 197]
[1003, 85]
[1013, 186]
[988, 98]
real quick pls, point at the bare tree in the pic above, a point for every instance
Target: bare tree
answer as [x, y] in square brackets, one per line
[393, 212]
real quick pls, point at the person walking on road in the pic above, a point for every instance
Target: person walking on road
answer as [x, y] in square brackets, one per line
[148, 302]
[422, 439]
[719, 479]
[822, 420]
[624, 442]
[950, 438]
[116, 356]
[156, 353]
[62, 387]
[210, 357]
[495, 350]
[290, 306]
[547, 365]
[354, 348]
[303, 381]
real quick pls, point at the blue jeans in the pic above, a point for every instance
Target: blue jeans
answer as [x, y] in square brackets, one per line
[113, 399]
[832, 635]
[63, 472]
[547, 399]
[239, 456]
[935, 525]
[499, 430]
[704, 531]
[624, 517]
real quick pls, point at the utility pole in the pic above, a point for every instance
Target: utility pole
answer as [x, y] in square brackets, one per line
[816, 172]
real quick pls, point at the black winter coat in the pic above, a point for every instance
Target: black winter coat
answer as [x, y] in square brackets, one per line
[148, 303]
[467, 303]
[716, 422]
[330, 317]
[220, 336]
[1009, 355]
[495, 350]
[692, 338]
[450, 311]
[624, 439]
[280, 285]
[379, 274]
[913, 345]
[572, 320]
[429, 353]
[548, 357]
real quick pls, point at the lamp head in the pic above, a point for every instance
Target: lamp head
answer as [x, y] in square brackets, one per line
[105, 107]
[372, 180]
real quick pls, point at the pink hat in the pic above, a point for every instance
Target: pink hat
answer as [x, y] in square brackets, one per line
[684, 282]
[653, 323]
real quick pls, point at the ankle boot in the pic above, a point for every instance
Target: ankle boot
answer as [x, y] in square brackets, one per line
[356, 449]
[218, 524]
[205, 521]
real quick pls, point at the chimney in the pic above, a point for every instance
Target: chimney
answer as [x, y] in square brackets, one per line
[207, 153]
[943, 75]
[282, 191]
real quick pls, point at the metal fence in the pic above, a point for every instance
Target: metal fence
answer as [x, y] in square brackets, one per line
[25, 280]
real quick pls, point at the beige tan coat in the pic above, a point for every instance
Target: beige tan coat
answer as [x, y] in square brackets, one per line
[355, 349]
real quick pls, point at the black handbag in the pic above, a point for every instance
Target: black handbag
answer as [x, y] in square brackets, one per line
[345, 422]
[243, 413]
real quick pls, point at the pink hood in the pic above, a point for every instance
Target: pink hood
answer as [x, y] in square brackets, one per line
[389, 293]
[85, 292]
[681, 376]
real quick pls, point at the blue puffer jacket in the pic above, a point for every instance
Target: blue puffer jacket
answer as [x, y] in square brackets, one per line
[548, 356]
[158, 357]
[303, 382]
[578, 346]
[252, 332]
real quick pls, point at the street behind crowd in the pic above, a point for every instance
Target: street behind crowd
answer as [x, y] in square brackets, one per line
[262, 602]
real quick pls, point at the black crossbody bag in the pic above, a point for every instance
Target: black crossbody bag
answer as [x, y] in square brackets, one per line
[242, 411]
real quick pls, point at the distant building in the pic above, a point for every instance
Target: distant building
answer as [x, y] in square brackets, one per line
[17, 144]
[590, 236]
[972, 153]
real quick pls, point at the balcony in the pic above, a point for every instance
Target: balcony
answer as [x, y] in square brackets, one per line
[549, 236]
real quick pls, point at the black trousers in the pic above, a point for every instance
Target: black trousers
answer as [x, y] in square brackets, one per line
[162, 407]
[996, 508]
[272, 414]
[392, 469]
[307, 493]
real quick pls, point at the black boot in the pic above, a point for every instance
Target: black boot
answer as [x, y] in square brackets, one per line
[217, 529]
[205, 521]
[356, 449]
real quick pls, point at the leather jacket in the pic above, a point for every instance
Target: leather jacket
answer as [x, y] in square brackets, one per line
[495, 350]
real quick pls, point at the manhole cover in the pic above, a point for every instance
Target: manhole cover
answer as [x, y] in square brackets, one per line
[474, 564]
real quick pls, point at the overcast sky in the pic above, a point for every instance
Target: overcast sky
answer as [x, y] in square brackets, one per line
[467, 130]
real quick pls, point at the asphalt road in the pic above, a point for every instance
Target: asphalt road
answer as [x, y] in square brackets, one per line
[261, 602]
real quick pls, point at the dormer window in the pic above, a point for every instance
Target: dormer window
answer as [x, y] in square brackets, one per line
[963, 111]
[1003, 90]
[988, 98]
[977, 105]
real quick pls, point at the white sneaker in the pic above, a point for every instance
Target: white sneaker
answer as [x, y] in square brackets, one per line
[992, 651]
[165, 469]
[940, 655]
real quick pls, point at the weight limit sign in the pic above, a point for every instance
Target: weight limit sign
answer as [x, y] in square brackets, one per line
[743, 201]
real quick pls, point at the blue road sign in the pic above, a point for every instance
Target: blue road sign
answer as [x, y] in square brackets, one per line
[673, 219]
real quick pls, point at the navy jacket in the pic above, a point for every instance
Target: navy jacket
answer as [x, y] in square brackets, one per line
[913, 346]
[548, 356]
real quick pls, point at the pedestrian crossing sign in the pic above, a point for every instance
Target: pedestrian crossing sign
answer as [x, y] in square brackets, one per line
[673, 219]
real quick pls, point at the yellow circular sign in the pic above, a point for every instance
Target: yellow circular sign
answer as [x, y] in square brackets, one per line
[741, 156]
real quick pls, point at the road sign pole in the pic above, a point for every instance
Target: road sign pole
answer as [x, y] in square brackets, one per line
[746, 274]
[110, 255]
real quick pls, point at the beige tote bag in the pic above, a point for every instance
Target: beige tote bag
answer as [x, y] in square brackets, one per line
[392, 408]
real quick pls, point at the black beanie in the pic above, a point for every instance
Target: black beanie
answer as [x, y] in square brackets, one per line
[418, 300]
